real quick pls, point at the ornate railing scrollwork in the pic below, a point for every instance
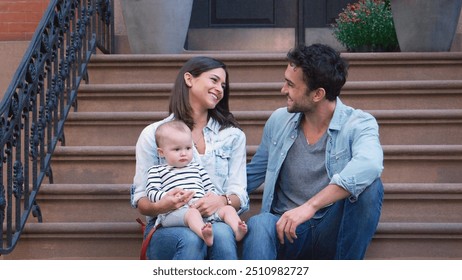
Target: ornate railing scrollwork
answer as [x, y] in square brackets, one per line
[37, 102]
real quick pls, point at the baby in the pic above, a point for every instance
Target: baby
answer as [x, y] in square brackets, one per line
[175, 144]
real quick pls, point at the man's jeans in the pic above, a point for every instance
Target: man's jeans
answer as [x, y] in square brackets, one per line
[343, 231]
[181, 243]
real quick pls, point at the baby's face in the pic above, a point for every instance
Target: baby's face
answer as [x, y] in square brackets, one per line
[178, 150]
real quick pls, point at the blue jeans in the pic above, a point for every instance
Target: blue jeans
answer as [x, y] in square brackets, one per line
[343, 230]
[181, 243]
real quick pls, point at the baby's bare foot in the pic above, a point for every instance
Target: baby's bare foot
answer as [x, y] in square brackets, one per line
[241, 231]
[207, 234]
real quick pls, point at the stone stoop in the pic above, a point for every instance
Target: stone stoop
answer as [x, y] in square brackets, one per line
[371, 95]
[269, 67]
[409, 127]
[416, 98]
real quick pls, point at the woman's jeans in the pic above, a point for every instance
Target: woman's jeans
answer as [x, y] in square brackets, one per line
[181, 243]
[343, 231]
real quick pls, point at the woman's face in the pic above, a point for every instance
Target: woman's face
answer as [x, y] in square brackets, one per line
[206, 90]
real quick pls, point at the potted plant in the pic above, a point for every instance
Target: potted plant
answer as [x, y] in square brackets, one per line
[425, 25]
[157, 26]
[366, 25]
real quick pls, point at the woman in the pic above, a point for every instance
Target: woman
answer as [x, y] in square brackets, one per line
[200, 98]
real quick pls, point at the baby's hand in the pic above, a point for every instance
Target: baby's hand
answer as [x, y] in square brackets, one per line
[180, 197]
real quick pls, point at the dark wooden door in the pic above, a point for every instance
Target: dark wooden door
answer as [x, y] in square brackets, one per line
[257, 16]
[264, 13]
[243, 13]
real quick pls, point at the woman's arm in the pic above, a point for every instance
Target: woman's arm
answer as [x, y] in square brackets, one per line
[232, 159]
[146, 156]
[236, 187]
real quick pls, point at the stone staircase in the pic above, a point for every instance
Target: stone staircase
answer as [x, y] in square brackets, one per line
[416, 98]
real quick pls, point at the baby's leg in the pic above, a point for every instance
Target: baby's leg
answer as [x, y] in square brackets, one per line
[194, 221]
[230, 216]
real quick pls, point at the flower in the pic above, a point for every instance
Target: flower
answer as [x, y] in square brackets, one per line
[366, 24]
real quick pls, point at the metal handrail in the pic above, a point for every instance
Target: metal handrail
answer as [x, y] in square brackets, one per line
[38, 100]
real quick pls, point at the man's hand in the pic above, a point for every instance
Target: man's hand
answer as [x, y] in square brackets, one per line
[290, 220]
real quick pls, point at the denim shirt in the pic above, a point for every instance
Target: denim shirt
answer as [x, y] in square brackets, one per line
[354, 156]
[224, 160]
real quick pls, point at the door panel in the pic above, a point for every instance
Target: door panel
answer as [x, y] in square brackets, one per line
[271, 25]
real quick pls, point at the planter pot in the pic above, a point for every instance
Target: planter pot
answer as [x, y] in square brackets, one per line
[157, 26]
[425, 25]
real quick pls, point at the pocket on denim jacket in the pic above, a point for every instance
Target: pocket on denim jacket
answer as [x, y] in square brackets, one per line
[222, 157]
[339, 160]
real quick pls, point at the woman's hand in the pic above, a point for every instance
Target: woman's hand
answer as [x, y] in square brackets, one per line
[208, 204]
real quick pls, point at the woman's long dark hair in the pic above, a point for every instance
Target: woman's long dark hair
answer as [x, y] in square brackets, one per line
[179, 98]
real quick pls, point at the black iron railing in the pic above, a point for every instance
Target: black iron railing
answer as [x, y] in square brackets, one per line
[38, 101]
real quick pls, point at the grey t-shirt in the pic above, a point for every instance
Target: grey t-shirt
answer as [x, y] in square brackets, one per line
[303, 174]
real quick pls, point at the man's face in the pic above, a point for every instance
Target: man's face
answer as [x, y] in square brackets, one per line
[297, 92]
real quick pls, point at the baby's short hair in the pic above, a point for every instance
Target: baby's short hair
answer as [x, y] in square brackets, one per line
[162, 131]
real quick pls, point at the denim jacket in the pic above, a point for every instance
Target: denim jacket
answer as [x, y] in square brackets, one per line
[224, 160]
[354, 156]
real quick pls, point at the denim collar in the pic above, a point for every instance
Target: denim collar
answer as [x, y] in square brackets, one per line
[213, 126]
[339, 117]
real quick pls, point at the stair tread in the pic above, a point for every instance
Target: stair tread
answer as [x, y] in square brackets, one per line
[83, 227]
[402, 57]
[383, 113]
[129, 149]
[349, 84]
[127, 227]
[102, 189]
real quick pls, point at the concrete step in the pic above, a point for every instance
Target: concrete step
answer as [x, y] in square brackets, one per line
[155, 97]
[406, 203]
[112, 241]
[403, 202]
[416, 241]
[422, 203]
[397, 127]
[79, 241]
[417, 163]
[269, 67]
[93, 165]
[85, 203]
[422, 164]
[116, 165]
[370, 95]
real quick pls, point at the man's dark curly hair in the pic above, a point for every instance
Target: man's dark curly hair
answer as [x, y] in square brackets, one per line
[322, 68]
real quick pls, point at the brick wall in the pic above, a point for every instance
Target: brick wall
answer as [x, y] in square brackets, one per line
[20, 18]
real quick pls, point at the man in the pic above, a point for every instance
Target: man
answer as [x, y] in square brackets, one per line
[320, 162]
